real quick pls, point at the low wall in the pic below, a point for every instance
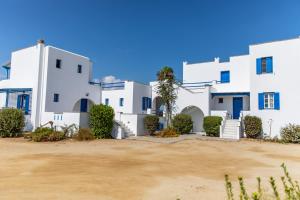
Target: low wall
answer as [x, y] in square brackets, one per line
[66, 119]
[135, 122]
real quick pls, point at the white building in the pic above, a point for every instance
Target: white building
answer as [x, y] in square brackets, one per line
[51, 84]
[262, 83]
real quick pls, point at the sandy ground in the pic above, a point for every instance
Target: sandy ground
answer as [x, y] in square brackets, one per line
[137, 170]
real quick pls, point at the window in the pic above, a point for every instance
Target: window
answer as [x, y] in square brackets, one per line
[56, 98]
[220, 100]
[58, 63]
[268, 100]
[264, 65]
[107, 101]
[79, 69]
[121, 102]
[146, 103]
[225, 76]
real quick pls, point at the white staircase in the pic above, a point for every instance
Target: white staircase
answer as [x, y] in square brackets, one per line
[230, 129]
[126, 129]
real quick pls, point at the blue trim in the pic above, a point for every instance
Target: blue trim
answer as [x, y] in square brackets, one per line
[261, 103]
[258, 66]
[237, 107]
[121, 102]
[83, 105]
[269, 62]
[225, 76]
[230, 94]
[11, 90]
[6, 100]
[276, 101]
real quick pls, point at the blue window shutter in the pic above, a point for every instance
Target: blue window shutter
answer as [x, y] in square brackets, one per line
[150, 103]
[26, 99]
[269, 64]
[225, 76]
[276, 101]
[261, 101]
[19, 101]
[143, 103]
[258, 66]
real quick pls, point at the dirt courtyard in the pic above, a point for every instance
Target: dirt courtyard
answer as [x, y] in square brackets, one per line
[137, 170]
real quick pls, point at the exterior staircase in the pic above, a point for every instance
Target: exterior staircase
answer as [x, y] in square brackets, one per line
[230, 129]
[126, 129]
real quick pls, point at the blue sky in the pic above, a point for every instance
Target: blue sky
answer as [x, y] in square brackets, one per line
[133, 39]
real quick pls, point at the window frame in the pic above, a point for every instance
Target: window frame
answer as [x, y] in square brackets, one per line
[55, 97]
[269, 102]
[58, 63]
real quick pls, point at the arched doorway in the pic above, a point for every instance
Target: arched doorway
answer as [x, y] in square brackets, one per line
[158, 107]
[83, 105]
[197, 117]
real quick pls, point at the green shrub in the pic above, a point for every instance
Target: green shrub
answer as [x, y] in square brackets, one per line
[290, 133]
[12, 122]
[211, 125]
[182, 123]
[101, 120]
[151, 123]
[45, 134]
[253, 126]
[168, 132]
[84, 134]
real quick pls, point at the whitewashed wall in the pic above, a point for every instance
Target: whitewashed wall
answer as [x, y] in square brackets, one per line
[70, 85]
[211, 71]
[284, 79]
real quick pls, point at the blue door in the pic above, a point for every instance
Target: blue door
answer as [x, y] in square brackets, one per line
[237, 107]
[83, 105]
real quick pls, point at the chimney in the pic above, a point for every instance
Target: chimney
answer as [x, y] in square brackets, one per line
[217, 59]
[41, 41]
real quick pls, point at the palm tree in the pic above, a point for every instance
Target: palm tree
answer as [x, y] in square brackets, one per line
[166, 80]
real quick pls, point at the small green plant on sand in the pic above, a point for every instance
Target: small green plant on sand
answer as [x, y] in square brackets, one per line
[291, 188]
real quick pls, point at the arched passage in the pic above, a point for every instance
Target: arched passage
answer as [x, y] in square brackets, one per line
[82, 105]
[197, 117]
[158, 108]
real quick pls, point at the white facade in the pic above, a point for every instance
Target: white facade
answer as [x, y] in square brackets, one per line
[269, 69]
[52, 84]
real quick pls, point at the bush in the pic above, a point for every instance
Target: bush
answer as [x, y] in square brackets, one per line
[101, 120]
[211, 125]
[182, 123]
[253, 126]
[84, 134]
[151, 123]
[45, 134]
[168, 132]
[12, 122]
[290, 133]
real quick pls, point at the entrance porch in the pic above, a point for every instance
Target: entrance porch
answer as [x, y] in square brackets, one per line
[232, 103]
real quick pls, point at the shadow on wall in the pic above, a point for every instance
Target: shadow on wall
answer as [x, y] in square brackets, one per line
[197, 117]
